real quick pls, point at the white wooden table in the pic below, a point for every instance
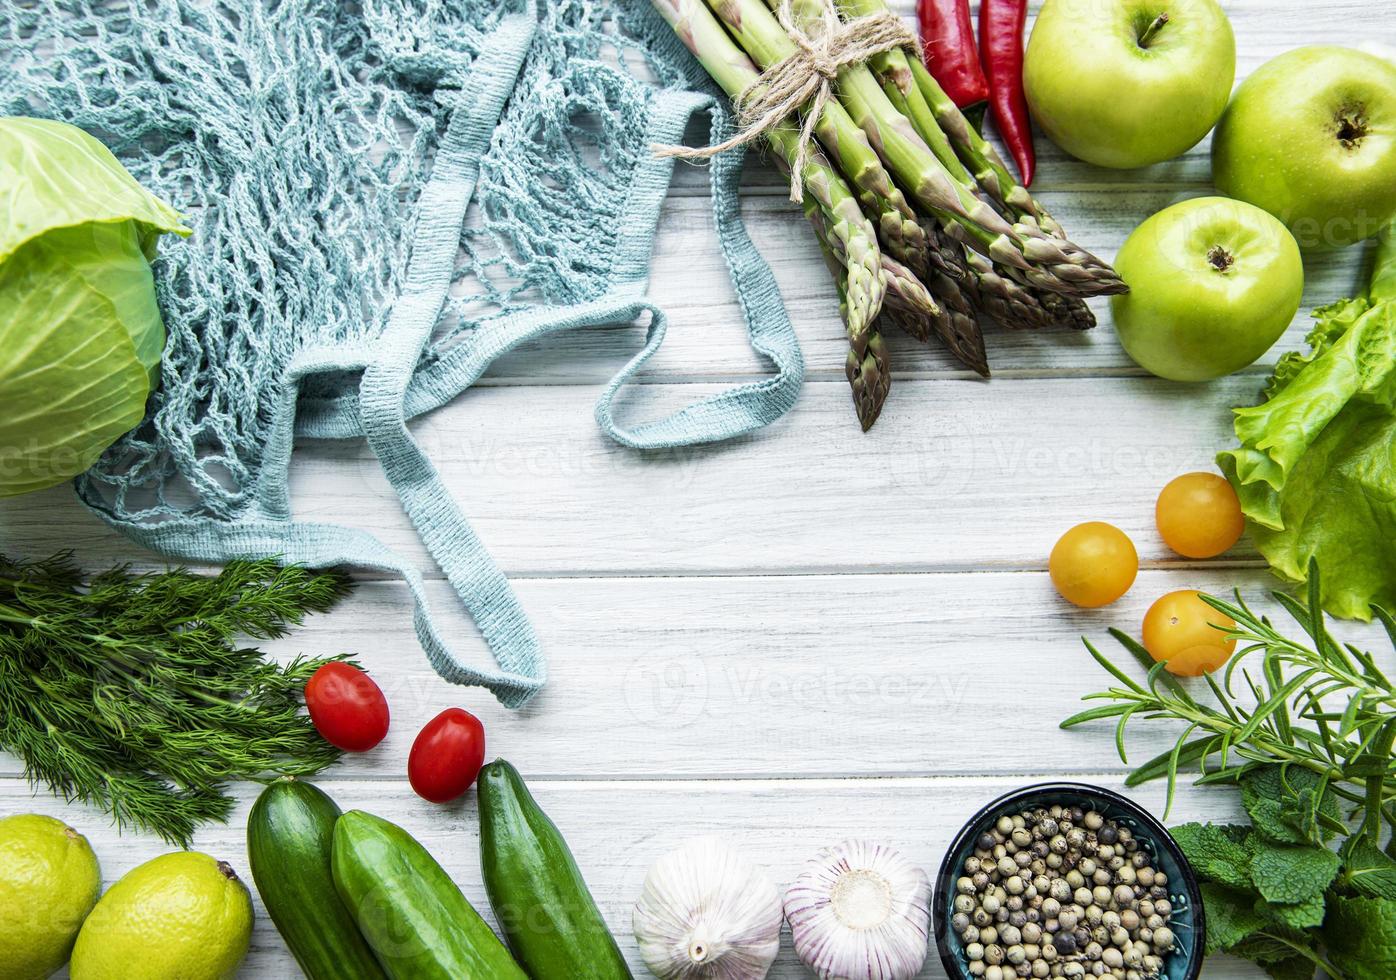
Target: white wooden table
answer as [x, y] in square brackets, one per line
[804, 635]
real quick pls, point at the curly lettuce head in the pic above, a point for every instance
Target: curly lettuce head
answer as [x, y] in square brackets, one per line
[80, 331]
[1316, 467]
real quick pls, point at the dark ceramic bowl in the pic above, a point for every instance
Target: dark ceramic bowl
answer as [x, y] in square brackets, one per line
[1188, 921]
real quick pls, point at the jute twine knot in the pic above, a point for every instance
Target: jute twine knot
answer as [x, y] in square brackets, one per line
[805, 80]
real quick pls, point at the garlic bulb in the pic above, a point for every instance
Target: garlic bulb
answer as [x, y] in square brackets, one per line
[860, 910]
[705, 912]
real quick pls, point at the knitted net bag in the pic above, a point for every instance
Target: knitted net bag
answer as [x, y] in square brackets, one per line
[386, 195]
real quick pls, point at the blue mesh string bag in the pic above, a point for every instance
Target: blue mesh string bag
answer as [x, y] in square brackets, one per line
[386, 195]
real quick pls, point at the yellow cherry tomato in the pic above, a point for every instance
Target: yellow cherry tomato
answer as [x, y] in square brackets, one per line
[1187, 634]
[1093, 564]
[1199, 515]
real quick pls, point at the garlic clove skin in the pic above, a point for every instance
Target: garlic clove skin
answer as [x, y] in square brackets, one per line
[860, 910]
[706, 912]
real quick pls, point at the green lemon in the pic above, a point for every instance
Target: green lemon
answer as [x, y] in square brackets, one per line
[182, 916]
[49, 881]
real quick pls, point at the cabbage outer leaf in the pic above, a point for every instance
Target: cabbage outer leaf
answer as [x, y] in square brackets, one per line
[80, 340]
[53, 175]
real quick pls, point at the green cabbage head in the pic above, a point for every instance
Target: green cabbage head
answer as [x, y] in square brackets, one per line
[80, 331]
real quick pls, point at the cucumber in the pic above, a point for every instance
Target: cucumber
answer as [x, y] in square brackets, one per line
[288, 846]
[410, 911]
[535, 888]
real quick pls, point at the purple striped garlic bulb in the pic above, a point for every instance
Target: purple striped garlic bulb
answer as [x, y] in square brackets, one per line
[860, 911]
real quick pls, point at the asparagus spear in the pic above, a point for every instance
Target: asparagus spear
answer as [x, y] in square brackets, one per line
[848, 226]
[904, 289]
[763, 38]
[869, 373]
[943, 274]
[899, 229]
[1007, 301]
[913, 89]
[1031, 306]
[843, 142]
[862, 283]
[899, 85]
[1001, 292]
[927, 301]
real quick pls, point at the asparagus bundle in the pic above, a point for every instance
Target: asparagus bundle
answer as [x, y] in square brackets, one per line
[912, 207]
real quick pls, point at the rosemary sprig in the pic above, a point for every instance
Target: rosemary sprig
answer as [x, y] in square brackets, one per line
[1314, 704]
[131, 693]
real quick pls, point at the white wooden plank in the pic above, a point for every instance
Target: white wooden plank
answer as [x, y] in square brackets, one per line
[809, 676]
[956, 474]
[617, 829]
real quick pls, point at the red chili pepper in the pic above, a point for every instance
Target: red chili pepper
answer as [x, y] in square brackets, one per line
[1001, 26]
[947, 35]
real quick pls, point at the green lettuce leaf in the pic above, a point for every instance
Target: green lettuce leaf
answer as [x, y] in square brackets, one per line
[1316, 465]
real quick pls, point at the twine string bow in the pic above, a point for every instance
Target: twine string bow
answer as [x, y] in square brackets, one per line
[805, 79]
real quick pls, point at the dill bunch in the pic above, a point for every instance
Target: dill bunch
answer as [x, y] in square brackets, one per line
[131, 692]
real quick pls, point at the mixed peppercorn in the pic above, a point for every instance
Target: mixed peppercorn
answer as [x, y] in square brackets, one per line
[1062, 892]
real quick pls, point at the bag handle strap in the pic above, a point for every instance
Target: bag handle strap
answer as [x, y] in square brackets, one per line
[743, 408]
[441, 211]
[386, 396]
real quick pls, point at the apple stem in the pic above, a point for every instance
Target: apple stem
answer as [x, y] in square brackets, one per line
[1150, 32]
[1352, 128]
[1221, 259]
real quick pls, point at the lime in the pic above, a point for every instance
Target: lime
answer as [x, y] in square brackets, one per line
[49, 881]
[182, 916]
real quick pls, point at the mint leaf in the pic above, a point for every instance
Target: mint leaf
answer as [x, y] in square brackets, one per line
[1368, 870]
[1302, 915]
[1285, 804]
[1360, 935]
[1231, 916]
[1271, 946]
[1215, 854]
[1294, 968]
[1291, 874]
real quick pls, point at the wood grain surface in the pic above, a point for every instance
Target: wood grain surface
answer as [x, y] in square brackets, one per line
[801, 636]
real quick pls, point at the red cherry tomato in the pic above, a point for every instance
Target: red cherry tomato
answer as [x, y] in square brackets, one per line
[447, 756]
[347, 707]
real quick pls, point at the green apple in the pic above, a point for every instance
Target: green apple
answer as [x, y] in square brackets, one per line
[1213, 283]
[1311, 138]
[1127, 83]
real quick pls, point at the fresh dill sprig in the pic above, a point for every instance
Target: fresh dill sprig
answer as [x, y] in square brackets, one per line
[1313, 704]
[131, 692]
